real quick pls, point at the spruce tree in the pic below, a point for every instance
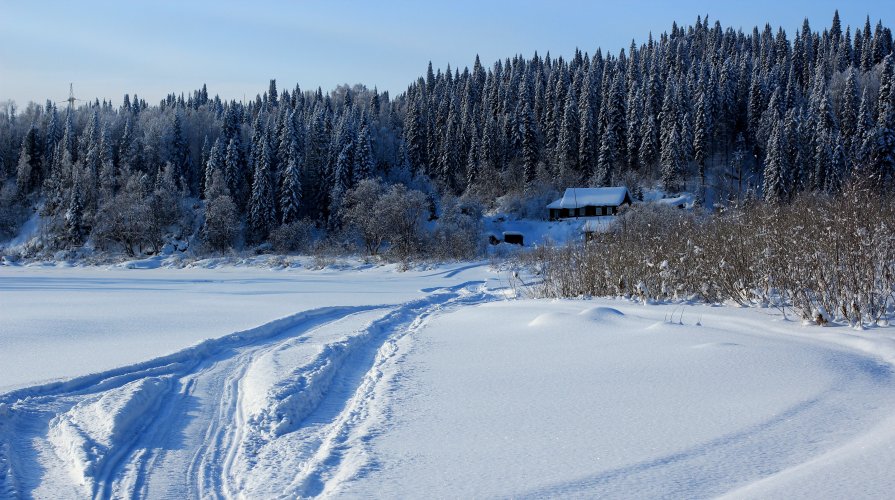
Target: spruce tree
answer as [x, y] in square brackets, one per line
[28, 169]
[341, 183]
[672, 154]
[108, 177]
[567, 143]
[776, 166]
[75, 228]
[701, 135]
[290, 190]
[882, 143]
[529, 145]
[235, 175]
[262, 212]
[179, 151]
[216, 164]
[607, 159]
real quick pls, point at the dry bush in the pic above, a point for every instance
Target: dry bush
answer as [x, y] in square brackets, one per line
[830, 258]
[293, 237]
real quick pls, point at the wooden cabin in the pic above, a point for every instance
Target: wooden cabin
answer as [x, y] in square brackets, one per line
[513, 237]
[589, 202]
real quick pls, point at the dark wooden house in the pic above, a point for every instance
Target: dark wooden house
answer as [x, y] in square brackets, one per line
[589, 202]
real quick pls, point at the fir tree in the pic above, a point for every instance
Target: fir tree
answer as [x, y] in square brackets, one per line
[272, 93]
[216, 163]
[567, 143]
[672, 154]
[179, 150]
[262, 211]
[529, 145]
[290, 191]
[882, 142]
[701, 135]
[75, 228]
[607, 159]
[235, 171]
[776, 166]
[341, 183]
[28, 169]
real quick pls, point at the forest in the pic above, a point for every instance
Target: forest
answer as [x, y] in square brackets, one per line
[734, 118]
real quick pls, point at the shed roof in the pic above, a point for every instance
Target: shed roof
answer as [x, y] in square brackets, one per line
[682, 200]
[597, 197]
[597, 224]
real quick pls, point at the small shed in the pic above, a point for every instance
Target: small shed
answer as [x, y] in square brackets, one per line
[513, 237]
[681, 201]
[589, 202]
[591, 227]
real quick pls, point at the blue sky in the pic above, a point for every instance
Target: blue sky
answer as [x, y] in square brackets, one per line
[109, 48]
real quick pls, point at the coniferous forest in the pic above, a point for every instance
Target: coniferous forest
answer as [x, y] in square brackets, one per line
[726, 115]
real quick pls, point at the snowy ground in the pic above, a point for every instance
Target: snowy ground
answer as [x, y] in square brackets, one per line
[372, 382]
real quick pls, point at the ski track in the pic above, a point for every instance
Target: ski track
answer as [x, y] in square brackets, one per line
[190, 434]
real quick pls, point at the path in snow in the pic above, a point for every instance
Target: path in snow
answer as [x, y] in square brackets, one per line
[59, 323]
[276, 411]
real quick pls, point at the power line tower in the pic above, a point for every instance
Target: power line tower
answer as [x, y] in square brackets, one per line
[71, 97]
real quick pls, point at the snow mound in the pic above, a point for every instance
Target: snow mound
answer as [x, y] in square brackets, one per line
[716, 345]
[601, 313]
[547, 319]
[580, 320]
[94, 432]
[148, 263]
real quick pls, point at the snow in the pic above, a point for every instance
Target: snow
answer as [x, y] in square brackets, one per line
[536, 232]
[367, 382]
[26, 233]
[582, 197]
[67, 322]
[597, 224]
[571, 399]
[86, 436]
[684, 200]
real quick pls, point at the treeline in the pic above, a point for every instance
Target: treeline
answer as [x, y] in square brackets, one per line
[829, 257]
[724, 114]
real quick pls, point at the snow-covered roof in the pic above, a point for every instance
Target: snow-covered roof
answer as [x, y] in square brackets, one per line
[677, 201]
[597, 224]
[595, 197]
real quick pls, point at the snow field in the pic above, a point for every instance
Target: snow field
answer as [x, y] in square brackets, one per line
[383, 384]
[611, 399]
[234, 412]
[59, 323]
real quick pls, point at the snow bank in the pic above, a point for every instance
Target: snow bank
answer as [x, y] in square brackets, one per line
[98, 430]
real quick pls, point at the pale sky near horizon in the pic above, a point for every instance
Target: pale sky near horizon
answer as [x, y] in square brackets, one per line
[111, 47]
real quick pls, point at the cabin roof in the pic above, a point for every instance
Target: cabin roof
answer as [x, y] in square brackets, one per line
[584, 197]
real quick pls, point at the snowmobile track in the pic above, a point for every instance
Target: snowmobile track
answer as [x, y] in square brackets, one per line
[201, 435]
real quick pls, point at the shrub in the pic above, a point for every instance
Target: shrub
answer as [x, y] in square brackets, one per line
[827, 257]
[293, 237]
[458, 233]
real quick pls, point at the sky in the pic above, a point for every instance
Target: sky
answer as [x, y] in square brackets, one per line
[107, 48]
